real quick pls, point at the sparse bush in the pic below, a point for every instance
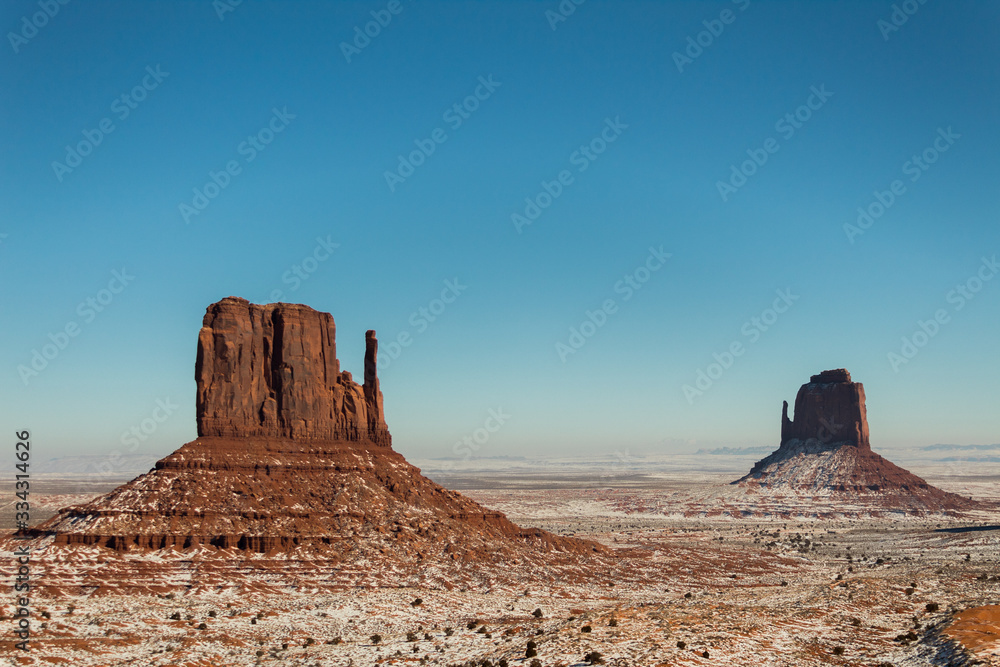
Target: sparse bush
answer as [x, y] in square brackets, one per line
[411, 636]
[471, 625]
[704, 654]
[310, 641]
[448, 632]
[586, 628]
[46, 614]
[839, 650]
[784, 583]
[416, 603]
[503, 663]
[482, 630]
[213, 614]
[376, 639]
[537, 613]
[856, 622]
[202, 626]
[176, 616]
[688, 595]
[594, 658]
[681, 644]
[932, 607]
[535, 663]
[909, 591]
[334, 641]
[613, 623]
[532, 650]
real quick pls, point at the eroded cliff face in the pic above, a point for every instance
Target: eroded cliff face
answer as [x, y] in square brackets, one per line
[273, 371]
[829, 408]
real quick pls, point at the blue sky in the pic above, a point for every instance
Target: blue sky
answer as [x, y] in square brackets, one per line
[640, 136]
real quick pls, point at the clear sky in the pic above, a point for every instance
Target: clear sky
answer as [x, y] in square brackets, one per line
[203, 150]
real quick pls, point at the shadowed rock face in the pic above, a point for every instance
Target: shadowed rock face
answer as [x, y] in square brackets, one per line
[273, 371]
[829, 408]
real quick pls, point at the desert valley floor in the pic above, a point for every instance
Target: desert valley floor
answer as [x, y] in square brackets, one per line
[714, 577]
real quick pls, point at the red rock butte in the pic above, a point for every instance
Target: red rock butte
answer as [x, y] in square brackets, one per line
[273, 371]
[826, 449]
[292, 454]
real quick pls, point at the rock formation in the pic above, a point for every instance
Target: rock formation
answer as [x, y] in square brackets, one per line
[293, 455]
[826, 449]
[831, 409]
[273, 371]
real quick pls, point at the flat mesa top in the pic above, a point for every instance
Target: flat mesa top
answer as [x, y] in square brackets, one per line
[836, 375]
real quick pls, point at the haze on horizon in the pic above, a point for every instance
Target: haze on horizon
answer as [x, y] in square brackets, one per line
[595, 174]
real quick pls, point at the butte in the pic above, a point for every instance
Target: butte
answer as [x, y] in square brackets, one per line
[294, 462]
[825, 451]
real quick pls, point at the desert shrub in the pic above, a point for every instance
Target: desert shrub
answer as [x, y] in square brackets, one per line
[704, 654]
[334, 641]
[376, 639]
[681, 644]
[535, 663]
[613, 623]
[310, 641]
[688, 595]
[202, 626]
[471, 625]
[532, 650]
[856, 622]
[586, 628]
[411, 636]
[537, 613]
[594, 658]
[839, 650]
[416, 603]
[932, 607]
[503, 663]
[253, 621]
[909, 591]
[482, 630]
[213, 614]
[176, 616]
[448, 632]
